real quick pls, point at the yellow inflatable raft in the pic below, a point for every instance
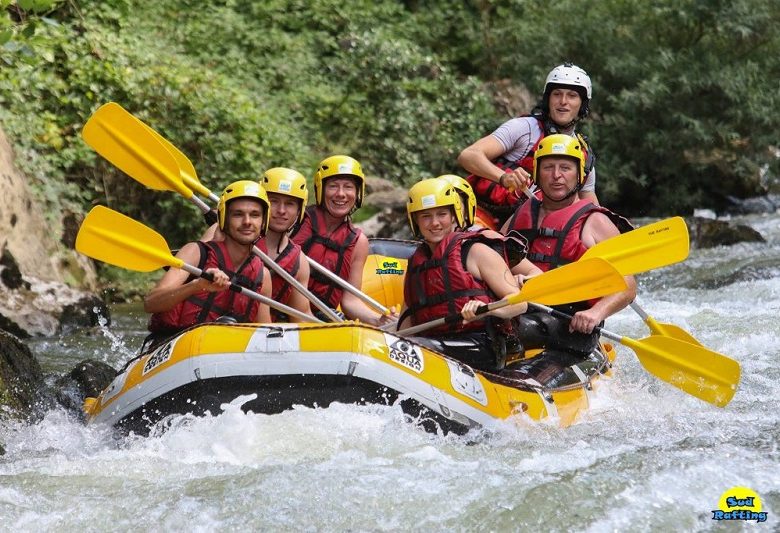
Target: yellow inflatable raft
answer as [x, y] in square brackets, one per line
[315, 364]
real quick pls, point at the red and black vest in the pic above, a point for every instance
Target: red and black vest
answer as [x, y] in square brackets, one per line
[290, 260]
[438, 284]
[333, 251]
[207, 306]
[557, 241]
[492, 194]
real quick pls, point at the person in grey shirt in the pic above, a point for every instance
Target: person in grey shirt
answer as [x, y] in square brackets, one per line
[501, 163]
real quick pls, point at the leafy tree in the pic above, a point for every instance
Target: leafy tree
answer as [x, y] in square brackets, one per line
[684, 91]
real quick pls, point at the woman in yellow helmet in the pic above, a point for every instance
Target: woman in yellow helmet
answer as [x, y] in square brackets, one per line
[180, 300]
[456, 272]
[327, 236]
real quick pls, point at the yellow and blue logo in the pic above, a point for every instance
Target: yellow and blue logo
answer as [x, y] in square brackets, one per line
[390, 267]
[739, 503]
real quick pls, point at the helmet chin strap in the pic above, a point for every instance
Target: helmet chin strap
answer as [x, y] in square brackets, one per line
[551, 128]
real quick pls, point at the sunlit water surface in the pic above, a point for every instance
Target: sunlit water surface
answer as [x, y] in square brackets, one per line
[646, 457]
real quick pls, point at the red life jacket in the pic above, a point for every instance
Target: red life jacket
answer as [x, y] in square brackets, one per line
[205, 306]
[333, 251]
[558, 240]
[438, 284]
[493, 195]
[290, 260]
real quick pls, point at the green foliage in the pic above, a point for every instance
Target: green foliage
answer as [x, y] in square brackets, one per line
[684, 94]
[684, 104]
[121, 285]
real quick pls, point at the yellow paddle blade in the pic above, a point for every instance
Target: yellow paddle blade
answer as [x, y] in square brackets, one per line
[700, 372]
[670, 330]
[186, 169]
[656, 245]
[128, 144]
[118, 240]
[575, 282]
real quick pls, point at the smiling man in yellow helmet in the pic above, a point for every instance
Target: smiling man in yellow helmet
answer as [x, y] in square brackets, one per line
[180, 300]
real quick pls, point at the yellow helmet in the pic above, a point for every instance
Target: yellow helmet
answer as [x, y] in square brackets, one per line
[429, 193]
[341, 166]
[288, 182]
[244, 189]
[560, 145]
[466, 193]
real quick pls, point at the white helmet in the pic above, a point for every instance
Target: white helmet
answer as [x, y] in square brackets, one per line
[571, 75]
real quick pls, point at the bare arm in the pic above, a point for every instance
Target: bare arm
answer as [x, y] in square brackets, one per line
[478, 158]
[598, 227]
[526, 269]
[213, 233]
[172, 289]
[485, 264]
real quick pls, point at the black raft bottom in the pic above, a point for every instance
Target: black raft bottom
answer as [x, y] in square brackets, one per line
[276, 394]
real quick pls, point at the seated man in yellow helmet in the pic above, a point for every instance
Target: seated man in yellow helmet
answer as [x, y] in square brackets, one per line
[560, 227]
[455, 272]
[287, 194]
[180, 300]
[327, 236]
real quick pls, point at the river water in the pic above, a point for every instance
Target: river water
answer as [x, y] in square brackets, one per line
[646, 457]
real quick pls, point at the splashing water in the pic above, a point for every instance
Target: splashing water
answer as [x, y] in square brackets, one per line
[645, 457]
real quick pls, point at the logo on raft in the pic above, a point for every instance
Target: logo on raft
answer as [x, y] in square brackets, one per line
[390, 267]
[405, 353]
[739, 503]
[158, 357]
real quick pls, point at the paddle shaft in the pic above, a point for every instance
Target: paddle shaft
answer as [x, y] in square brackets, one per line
[286, 276]
[327, 273]
[453, 319]
[663, 328]
[348, 287]
[195, 271]
[598, 329]
[592, 278]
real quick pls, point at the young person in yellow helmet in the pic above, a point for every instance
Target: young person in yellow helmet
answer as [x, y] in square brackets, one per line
[560, 227]
[287, 195]
[453, 272]
[501, 163]
[328, 237]
[515, 244]
[180, 300]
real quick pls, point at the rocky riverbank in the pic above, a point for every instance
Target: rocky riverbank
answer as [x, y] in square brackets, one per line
[45, 285]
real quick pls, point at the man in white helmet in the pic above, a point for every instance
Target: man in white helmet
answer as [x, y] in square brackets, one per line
[501, 163]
